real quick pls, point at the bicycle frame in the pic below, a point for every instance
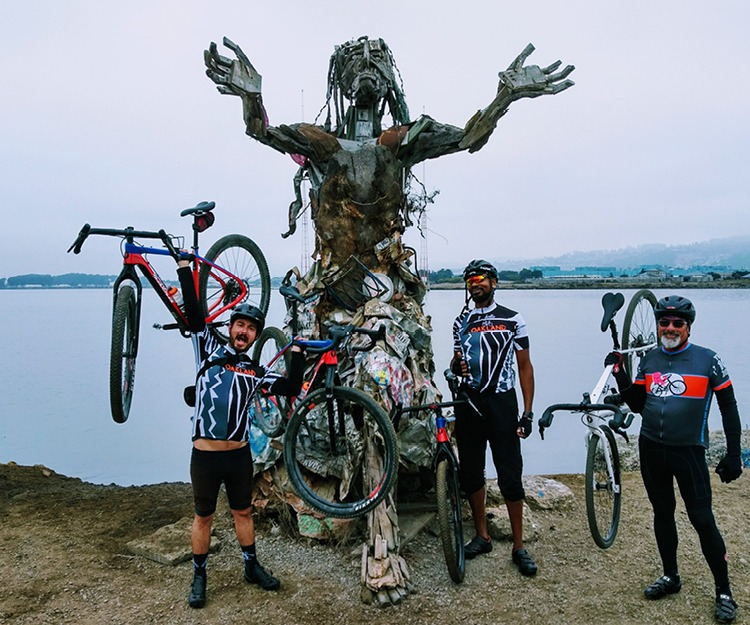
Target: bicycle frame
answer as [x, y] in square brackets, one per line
[135, 256]
[216, 289]
[445, 470]
[603, 492]
[327, 348]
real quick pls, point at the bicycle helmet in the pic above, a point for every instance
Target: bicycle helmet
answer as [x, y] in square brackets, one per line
[675, 306]
[247, 311]
[480, 267]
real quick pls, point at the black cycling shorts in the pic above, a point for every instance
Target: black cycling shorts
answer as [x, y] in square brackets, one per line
[497, 426]
[209, 469]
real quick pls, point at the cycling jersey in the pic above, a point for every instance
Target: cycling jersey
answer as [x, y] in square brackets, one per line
[679, 387]
[488, 339]
[224, 391]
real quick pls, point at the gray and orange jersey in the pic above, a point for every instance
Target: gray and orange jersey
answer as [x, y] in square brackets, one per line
[679, 387]
[488, 339]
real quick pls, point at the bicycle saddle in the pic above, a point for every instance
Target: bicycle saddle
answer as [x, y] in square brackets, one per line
[199, 209]
[611, 302]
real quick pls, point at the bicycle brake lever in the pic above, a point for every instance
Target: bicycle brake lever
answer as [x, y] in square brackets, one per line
[78, 243]
[168, 244]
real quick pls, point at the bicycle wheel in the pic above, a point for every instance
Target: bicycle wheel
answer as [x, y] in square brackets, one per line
[243, 258]
[639, 328]
[602, 494]
[341, 452]
[123, 353]
[448, 495]
[269, 412]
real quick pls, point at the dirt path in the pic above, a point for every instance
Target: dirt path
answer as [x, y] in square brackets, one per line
[64, 560]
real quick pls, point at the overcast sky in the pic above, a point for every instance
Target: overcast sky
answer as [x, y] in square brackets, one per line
[107, 117]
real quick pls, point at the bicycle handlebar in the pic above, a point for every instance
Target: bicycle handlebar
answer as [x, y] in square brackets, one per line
[620, 420]
[76, 247]
[373, 335]
[341, 334]
[292, 293]
[128, 233]
[460, 398]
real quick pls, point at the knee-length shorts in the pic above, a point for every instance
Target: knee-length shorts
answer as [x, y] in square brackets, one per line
[497, 427]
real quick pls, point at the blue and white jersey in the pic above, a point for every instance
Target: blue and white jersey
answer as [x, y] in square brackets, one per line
[224, 391]
[488, 338]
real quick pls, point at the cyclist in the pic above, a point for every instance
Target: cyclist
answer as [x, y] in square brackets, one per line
[487, 339]
[672, 391]
[226, 381]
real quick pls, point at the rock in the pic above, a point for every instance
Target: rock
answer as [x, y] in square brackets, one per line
[498, 524]
[541, 493]
[546, 494]
[324, 528]
[169, 544]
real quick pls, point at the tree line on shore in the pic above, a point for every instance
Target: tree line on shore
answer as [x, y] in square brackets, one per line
[72, 280]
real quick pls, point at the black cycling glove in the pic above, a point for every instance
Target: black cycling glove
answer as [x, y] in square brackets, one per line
[729, 468]
[525, 423]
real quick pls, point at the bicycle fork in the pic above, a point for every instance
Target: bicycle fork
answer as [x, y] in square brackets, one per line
[334, 408]
[607, 452]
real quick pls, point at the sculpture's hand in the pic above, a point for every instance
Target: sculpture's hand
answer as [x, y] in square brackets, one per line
[515, 83]
[233, 77]
[533, 81]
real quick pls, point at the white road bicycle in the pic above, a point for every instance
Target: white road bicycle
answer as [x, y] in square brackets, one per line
[604, 413]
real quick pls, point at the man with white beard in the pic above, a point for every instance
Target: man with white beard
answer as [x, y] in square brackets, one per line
[672, 391]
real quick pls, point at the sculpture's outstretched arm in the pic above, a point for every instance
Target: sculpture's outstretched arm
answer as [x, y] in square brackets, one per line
[515, 83]
[239, 77]
[429, 139]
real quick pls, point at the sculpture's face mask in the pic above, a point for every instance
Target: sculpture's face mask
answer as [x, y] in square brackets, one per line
[364, 71]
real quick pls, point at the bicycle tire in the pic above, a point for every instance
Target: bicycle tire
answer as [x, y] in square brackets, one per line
[639, 328]
[269, 412]
[123, 353]
[603, 499]
[241, 256]
[353, 477]
[677, 387]
[448, 493]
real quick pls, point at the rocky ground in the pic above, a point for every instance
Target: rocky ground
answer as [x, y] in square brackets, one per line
[64, 560]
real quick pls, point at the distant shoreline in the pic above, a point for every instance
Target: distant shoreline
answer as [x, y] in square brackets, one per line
[610, 284]
[521, 286]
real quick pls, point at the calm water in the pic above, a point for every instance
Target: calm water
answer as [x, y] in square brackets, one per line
[55, 361]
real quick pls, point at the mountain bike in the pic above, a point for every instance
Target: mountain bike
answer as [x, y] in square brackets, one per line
[340, 449]
[233, 271]
[604, 413]
[445, 469]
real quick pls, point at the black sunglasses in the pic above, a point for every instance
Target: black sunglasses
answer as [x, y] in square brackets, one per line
[676, 323]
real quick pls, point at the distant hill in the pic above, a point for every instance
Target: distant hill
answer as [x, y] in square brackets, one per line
[731, 252]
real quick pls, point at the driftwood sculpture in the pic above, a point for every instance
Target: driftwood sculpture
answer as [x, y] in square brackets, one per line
[362, 197]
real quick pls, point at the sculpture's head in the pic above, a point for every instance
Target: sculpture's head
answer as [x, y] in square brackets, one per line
[363, 72]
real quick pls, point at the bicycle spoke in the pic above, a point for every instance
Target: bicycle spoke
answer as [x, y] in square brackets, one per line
[242, 258]
[602, 489]
[340, 452]
[639, 328]
[449, 518]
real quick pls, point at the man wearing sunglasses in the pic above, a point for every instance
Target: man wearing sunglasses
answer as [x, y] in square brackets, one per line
[672, 391]
[487, 340]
